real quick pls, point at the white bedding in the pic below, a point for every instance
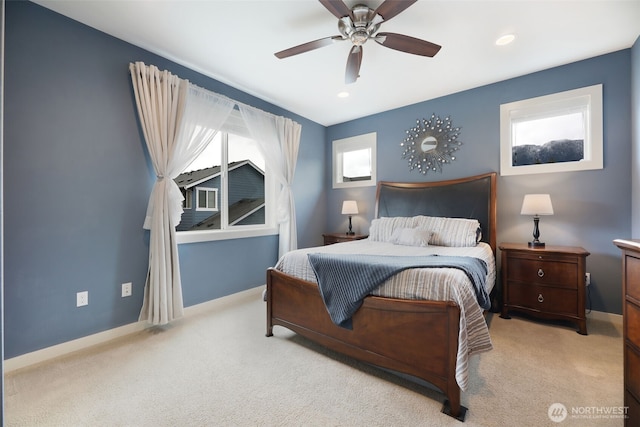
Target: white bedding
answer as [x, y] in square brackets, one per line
[436, 284]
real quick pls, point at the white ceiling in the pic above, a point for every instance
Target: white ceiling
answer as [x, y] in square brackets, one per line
[234, 41]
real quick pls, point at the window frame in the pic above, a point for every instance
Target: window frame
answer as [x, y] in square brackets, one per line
[351, 144]
[587, 100]
[270, 227]
[188, 199]
[207, 190]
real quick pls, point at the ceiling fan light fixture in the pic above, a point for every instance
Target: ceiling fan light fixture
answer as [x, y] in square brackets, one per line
[360, 23]
[505, 40]
[359, 37]
[343, 94]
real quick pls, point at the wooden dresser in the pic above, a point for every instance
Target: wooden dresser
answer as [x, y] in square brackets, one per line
[546, 282]
[631, 327]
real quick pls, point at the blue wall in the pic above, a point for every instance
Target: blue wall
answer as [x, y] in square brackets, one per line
[591, 208]
[77, 180]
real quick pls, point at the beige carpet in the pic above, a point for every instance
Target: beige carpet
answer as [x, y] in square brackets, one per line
[219, 369]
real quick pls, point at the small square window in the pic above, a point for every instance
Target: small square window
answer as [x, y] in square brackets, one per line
[561, 132]
[207, 199]
[354, 161]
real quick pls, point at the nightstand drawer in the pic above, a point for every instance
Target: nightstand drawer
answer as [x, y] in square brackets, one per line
[543, 298]
[341, 239]
[564, 274]
[331, 238]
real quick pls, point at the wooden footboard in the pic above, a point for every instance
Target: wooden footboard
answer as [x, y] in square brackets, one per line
[418, 338]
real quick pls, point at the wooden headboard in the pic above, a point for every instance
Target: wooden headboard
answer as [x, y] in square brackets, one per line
[472, 197]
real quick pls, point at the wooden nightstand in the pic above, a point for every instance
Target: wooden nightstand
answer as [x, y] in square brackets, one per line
[331, 238]
[545, 282]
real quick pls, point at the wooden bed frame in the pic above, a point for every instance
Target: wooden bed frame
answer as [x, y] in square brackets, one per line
[419, 338]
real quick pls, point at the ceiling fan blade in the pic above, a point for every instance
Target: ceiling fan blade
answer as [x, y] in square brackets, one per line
[353, 65]
[390, 8]
[337, 8]
[305, 47]
[407, 44]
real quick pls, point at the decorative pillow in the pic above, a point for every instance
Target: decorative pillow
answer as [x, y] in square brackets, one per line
[457, 232]
[429, 222]
[382, 229]
[411, 237]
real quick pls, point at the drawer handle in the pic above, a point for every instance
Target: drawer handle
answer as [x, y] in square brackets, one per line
[540, 273]
[540, 298]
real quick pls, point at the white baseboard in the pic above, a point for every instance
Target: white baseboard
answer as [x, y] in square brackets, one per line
[68, 347]
[49, 353]
[616, 319]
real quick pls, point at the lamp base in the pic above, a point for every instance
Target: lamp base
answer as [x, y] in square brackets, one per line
[350, 232]
[535, 244]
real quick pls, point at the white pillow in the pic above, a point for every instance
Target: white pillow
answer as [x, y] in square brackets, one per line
[444, 231]
[411, 237]
[433, 223]
[382, 229]
[457, 232]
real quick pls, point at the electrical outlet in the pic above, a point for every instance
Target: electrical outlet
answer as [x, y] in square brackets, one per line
[82, 298]
[587, 278]
[126, 289]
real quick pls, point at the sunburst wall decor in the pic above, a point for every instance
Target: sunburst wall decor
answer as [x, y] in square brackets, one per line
[430, 144]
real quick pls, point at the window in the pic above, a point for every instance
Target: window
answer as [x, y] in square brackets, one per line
[553, 133]
[207, 199]
[354, 161]
[227, 189]
[187, 202]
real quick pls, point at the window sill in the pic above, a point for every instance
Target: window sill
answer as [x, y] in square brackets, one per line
[210, 236]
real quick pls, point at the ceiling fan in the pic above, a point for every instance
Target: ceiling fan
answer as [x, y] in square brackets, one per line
[361, 23]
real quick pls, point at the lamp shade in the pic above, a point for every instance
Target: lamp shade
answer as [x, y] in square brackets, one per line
[349, 207]
[536, 204]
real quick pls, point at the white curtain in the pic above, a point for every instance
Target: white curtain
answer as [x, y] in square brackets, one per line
[178, 121]
[279, 139]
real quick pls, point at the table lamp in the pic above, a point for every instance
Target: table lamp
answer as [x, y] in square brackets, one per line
[536, 205]
[349, 207]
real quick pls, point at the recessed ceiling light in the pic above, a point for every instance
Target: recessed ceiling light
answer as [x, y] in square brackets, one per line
[343, 94]
[506, 39]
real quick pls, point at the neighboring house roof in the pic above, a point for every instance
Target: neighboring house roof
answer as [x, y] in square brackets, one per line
[189, 179]
[193, 178]
[237, 212]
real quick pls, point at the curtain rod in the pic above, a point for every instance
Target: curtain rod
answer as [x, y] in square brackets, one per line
[132, 69]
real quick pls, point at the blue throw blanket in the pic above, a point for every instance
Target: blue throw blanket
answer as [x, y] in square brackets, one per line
[345, 280]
